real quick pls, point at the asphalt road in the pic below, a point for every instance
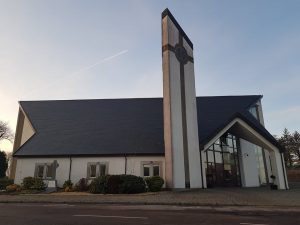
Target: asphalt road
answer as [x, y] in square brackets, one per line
[57, 214]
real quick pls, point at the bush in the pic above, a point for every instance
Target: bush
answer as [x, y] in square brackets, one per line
[81, 185]
[99, 185]
[155, 183]
[68, 183]
[28, 182]
[38, 184]
[113, 184]
[4, 182]
[13, 188]
[131, 184]
[33, 183]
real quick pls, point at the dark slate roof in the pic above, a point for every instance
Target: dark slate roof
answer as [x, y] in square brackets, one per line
[121, 126]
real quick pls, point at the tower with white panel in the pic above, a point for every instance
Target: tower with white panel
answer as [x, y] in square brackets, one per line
[182, 154]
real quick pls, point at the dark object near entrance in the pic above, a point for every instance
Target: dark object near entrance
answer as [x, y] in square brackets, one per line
[273, 186]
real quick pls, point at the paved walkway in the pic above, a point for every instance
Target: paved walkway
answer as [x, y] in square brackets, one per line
[205, 197]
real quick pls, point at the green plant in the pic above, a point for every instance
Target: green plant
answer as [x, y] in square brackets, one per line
[4, 182]
[81, 185]
[154, 183]
[68, 183]
[113, 184]
[27, 182]
[33, 183]
[38, 184]
[131, 184]
[99, 185]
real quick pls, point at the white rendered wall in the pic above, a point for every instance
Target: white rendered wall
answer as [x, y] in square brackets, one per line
[26, 168]
[248, 165]
[192, 123]
[116, 165]
[174, 146]
[27, 131]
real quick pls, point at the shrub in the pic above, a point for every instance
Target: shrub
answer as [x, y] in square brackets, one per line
[4, 182]
[99, 185]
[33, 183]
[131, 184]
[28, 182]
[68, 183]
[113, 184]
[13, 188]
[81, 185]
[38, 184]
[155, 183]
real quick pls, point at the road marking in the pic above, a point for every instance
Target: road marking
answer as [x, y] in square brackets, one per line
[122, 217]
[253, 224]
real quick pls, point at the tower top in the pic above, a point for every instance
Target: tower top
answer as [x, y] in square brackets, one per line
[167, 12]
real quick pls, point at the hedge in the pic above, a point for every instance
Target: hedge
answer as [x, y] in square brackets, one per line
[117, 184]
[34, 183]
[155, 183]
[4, 182]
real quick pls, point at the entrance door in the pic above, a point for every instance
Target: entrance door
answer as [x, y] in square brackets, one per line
[222, 165]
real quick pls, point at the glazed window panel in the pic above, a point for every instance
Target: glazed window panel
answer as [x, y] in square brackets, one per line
[146, 170]
[156, 170]
[49, 173]
[40, 171]
[102, 169]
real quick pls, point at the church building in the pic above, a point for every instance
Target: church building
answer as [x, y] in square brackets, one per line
[191, 142]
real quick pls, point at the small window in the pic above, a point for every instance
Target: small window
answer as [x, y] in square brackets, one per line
[40, 171]
[102, 169]
[44, 170]
[146, 170]
[97, 169]
[93, 171]
[156, 170]
[49, 173]
[151, 169]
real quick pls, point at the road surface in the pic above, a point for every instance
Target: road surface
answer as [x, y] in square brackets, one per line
[88, 214]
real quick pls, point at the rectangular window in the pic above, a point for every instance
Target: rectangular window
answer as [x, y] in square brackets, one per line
[102, 169]
[49, 173]
[97, 169]
[156, 170]
[151, 169]
[40, 171]
[146, 170]
[44, 170]
[93, 171]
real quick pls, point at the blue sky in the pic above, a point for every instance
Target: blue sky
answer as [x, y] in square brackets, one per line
[64, 49]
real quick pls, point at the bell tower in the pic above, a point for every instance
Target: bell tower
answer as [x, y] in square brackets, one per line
[182, 154]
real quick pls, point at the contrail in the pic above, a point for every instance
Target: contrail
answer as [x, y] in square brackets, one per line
[100, 62]
[86, 68]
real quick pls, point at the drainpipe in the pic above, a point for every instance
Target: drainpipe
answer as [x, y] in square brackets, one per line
[125, 164]
[70, 169]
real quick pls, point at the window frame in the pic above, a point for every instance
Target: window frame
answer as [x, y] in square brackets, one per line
[98, 169]
[45, 171]
[151, 165]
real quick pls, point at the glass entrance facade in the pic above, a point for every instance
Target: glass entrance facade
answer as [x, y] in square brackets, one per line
[222, 164]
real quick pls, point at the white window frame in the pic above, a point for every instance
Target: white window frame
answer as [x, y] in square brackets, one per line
[98, 170]
[45, 170]
[151, 164]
